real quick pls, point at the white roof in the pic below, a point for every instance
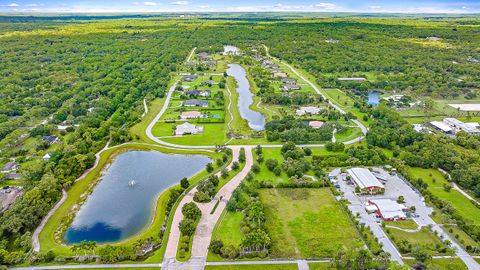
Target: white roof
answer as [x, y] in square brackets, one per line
[455, 123]
[389, 209]
[441, 125]
[364, 178]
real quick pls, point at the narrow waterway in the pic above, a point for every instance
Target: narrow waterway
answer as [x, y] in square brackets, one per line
[122, 203]
[256, 120]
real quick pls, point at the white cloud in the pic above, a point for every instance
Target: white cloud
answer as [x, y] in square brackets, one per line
[150, 3]
[13, 5]
[181, 3]
[375, 7]
[326, 6]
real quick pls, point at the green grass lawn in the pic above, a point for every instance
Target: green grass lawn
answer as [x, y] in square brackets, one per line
[463, 238]
[320, 266]
[306, 223]
[444, 264]
[267, 175]
[404, 224]
[213, 134]
[292, 266]
[424, 238]
[463, 205]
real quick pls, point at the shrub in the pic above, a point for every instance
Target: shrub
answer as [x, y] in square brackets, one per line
[255, 168]
[184, 183]
[235, 166]
[271, 164]
[209, 167]
[216, 246]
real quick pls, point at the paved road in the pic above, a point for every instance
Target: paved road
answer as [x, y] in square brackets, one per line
[203, 233]
[358, 206]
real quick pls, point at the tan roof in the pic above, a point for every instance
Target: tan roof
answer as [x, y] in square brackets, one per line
[191, 114]
[315, 124]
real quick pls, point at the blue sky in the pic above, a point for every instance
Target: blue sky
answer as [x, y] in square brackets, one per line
[401, 6]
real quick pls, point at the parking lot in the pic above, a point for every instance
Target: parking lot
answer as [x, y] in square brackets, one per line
[395, 186]
[8, 195]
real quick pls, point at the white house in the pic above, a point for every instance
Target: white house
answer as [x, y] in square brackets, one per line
[187, 128]
[190, 115]
[308, 110]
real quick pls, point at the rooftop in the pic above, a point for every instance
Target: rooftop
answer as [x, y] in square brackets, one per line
[364, 178]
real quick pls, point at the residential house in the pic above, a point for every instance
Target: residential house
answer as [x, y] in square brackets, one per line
[209, 63]
[358, 79]
[13, 176]
[289, 87]
[189, 78]
[195, 103]
[280, 75]
[10, 167]
[50, 139]
[203, 56]
[315, 124]
[201, 93]
[187, 128]
[288, 81]
[308, 110]
[191, 64]
[190, 115]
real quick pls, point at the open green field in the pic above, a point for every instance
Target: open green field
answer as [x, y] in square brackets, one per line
[306, 223]
[320, 266]
[423, 237]
[213, 134]
[460, 203]
[267, 175]
[443, 264]
[408, 224]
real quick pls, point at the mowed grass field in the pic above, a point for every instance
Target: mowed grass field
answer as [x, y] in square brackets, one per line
[423, 237]
[459, 202]
[292, 266]
[444, 264]
[306, 223]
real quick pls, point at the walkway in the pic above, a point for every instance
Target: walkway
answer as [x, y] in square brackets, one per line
[203, 233]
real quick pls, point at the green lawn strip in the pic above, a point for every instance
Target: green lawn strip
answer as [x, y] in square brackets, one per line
[424, 237]
[239, 125]
[47, 238]
[460, 203]
[231, 174]
[227, 229]
[187, 254]
[444, 264]
[306, 223]
[350, 134]
[292, 266]
[320, 266]
[462, 238]
[404, 224]
[138, 130]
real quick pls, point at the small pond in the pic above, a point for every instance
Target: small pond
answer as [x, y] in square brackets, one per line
[122, 203]
[373, 97]
[256, 120]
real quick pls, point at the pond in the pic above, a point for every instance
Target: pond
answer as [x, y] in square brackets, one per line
[256, 120]
[230, 50]
[373, 97]
[123, 202]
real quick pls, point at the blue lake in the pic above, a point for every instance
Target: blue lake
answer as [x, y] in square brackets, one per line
[373, 97]
[256, 120]
[122, 203]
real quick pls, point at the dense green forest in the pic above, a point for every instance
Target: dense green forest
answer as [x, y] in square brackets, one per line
[92, 76]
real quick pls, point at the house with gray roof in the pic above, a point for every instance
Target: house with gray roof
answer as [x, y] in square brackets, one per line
[195, 103]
